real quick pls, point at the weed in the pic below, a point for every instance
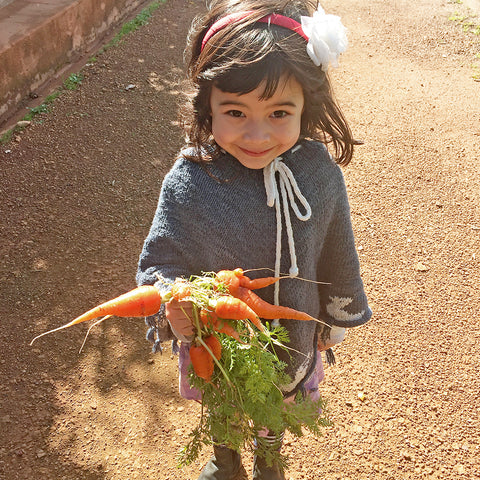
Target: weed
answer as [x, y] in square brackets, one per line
[38, 110]
[141, 19]
[43, 108]
[476, 72]
[50, 98]
[73, 81]
[457, 17]
[6, 137]
[470, 25]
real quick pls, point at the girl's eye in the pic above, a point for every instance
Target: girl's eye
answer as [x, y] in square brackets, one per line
[279, 114]
[235, 113]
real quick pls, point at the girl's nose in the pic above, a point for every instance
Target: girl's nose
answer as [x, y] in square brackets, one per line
[256, 131]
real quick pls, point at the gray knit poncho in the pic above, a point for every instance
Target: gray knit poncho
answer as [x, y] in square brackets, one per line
[215, 216]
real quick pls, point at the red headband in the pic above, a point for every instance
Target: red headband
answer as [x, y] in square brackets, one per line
[273, 18]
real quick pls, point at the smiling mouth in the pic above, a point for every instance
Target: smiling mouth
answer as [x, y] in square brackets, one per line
[253, 153]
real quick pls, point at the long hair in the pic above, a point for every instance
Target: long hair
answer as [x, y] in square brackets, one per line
[246, 54]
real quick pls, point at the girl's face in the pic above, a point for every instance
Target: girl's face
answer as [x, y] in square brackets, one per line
[257, 131]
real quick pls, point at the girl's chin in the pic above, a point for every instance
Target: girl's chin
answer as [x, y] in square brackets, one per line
[255, 163]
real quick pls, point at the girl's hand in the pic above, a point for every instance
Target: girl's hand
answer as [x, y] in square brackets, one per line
[337, 334]
[180, 315]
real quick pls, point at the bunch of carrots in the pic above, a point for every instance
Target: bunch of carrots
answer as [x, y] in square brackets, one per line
[219, 299]
[226, 315]
[230, 299]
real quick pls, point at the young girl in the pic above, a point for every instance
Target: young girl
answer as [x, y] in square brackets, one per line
[256, 187]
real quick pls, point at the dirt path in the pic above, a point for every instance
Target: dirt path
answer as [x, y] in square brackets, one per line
[79, 189]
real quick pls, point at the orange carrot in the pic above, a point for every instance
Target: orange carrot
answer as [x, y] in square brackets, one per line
[236, 278]
[223, 326]
[255, 283]
[232, 308]
[210, 319]
[207, 317]
[139, 302]
[180, 290]
[230, 278]
[213, 343]
[202, 362]
[268, 311]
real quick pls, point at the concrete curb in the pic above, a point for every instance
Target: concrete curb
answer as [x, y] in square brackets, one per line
[38, 41]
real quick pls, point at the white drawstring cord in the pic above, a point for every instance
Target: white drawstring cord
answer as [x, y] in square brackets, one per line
[290, 193]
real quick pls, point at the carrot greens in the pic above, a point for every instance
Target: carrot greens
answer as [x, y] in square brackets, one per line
[243, 395]
[236, 408]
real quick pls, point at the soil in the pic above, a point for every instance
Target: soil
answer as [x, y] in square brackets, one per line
[79, 188]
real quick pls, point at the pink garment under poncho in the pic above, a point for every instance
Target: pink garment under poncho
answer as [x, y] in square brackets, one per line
[189, 393]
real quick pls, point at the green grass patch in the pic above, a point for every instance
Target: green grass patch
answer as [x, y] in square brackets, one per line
[457, 17]
[73, 81]
[43, 107]
[476, 72]
[470, 25]
[141, 19]
[6, 137]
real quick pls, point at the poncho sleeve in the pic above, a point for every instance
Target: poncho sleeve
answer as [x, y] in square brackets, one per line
[342, 299]
[169, 249]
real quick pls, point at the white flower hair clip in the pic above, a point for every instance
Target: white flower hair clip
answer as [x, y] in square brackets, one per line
[325, 34]
[327, 38]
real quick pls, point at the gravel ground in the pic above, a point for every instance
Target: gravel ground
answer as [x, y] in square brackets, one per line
[79, 187]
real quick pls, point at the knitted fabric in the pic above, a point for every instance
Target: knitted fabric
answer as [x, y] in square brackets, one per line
[215, 216]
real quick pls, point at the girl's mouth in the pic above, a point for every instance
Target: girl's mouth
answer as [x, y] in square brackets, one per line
[256, 153]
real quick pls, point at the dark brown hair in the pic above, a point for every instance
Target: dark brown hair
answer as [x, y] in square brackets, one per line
[239, 57]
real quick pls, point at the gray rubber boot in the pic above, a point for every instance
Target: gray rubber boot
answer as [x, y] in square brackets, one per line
[226, 464]
[263, 471]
